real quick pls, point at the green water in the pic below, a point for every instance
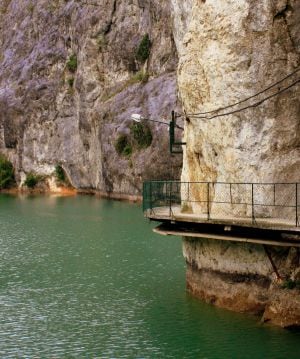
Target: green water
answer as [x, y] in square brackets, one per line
[86, 278]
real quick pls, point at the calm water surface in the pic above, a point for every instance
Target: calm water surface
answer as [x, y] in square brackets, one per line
[84, 278]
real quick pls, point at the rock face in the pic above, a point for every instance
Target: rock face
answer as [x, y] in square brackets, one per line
[240, 277]
[53, 113]
[227, 50]
[232, 50]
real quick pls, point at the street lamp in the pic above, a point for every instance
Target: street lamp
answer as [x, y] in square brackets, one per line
[172, 125]
[138, 118]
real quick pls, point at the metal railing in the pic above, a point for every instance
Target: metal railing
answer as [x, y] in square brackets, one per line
[276, 203]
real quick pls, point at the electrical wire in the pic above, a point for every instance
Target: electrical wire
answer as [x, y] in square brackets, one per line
[246, 99]
[250, 106]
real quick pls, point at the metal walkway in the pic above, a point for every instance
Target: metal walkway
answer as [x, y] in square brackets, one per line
[234, 207]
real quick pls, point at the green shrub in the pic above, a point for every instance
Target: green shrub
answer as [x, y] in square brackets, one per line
[127, 151]
[141, 134]
[121, 143]
[123, 146]
[291, 284]
[31, 180]
[60, 173]
[71, 81]
[7, 177]
[72, 63]
[140, 76]
[143, 50]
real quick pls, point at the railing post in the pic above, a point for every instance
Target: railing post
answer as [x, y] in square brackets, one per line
[296, 204]
[170, 197]
[165, 193]
[208, 212]
[144, 196]
[188, 196]
[252, 202]
[150, 197]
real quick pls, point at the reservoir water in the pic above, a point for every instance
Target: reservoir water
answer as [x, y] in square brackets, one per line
[82, 277]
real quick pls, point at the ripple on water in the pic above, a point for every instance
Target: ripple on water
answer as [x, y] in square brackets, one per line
[82, 277]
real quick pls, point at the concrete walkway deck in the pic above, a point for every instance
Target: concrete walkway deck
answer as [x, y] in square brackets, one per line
[162, 214]
[265, 231]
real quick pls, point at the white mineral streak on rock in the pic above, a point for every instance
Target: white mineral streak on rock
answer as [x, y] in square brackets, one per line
[232, 50]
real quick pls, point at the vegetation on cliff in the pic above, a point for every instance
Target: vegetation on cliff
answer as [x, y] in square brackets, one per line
[143, 50]
[141, 134]
[32, 180]
[123, 146]
[7, 177]
[140, 138]
[60, 173]
[72, 63]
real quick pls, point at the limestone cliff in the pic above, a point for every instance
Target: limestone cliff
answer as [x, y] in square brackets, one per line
[52, 113]
[232, 50]
[227, 50]
[240, 277]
